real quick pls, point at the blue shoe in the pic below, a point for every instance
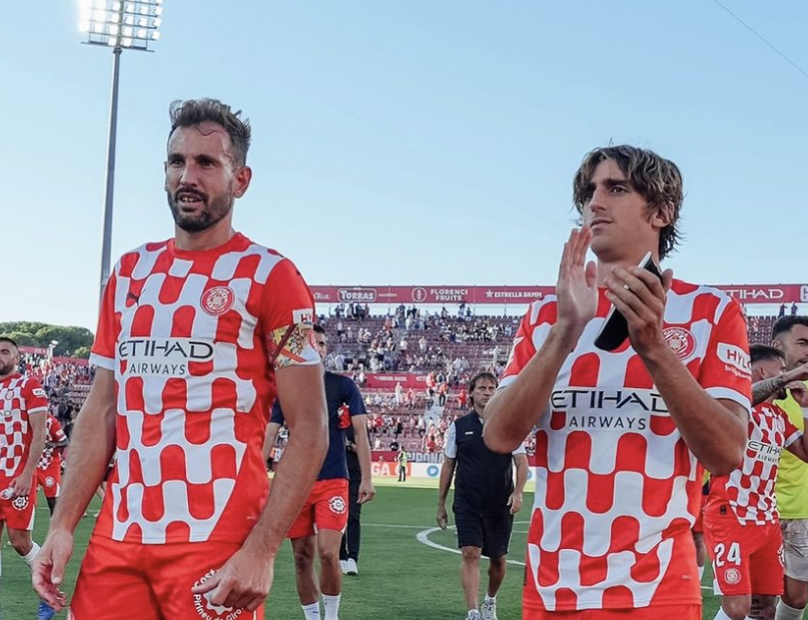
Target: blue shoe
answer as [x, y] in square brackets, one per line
[44, 611]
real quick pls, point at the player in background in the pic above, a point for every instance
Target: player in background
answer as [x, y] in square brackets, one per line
[485, 498]
[741, 522]
[790, 335]
[197, 336]
[318, 529]
[23, 411]
[352, 538]
[49, 468]
[622, 435]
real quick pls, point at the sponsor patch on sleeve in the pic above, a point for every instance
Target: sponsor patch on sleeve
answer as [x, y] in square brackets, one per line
[40, 392]
[735, 358]
[304, 315]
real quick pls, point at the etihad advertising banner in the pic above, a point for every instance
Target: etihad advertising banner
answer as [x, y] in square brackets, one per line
[496, 295]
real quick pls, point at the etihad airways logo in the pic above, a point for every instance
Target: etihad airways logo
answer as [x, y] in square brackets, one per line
[166, 357]
[591, 399]
[607, 410]
[765, 452]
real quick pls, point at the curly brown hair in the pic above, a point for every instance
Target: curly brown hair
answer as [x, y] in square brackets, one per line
[655, 178]
[197, 111]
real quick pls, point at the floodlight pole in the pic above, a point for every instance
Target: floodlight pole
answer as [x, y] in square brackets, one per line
[106, 246]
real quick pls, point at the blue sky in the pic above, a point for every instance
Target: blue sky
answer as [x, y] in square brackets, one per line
[407, 142]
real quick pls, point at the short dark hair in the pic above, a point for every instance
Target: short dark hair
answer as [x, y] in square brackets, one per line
[11, 341]
[197, 111]
[318, 329]
[483, 374]
[655, 178]
[784, 324]
[764, 353]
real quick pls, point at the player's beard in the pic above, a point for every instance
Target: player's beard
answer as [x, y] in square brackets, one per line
[7, 369]
[212, 212]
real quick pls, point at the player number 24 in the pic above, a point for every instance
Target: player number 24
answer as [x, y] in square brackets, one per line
[733, 556]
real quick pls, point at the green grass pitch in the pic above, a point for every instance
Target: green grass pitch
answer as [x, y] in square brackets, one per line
[399, 577]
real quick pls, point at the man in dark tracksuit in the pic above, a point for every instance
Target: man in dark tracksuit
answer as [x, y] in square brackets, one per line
[485, 497]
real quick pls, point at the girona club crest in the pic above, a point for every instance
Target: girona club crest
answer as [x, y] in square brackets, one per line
[20, 503]
[218, 300]
[732, 576]
[337, 505]
[680, 340]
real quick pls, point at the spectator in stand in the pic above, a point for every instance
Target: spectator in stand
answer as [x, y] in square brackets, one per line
[399, 394]
[443, 389]
[340, 331]
[422, 344]
[794, 309]
[782, 312]
[462, 399]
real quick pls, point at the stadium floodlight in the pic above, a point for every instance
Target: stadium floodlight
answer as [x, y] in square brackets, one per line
[119, 24]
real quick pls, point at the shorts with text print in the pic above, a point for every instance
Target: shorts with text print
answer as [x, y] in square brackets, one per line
[746, 558]
[133, 581]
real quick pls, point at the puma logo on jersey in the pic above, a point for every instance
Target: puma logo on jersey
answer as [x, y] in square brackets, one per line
[133, 297]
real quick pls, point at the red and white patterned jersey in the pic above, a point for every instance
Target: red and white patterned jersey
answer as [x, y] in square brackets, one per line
[194, 340]
[19, 398]
[617, 489]
[53, 435]
[750, 488]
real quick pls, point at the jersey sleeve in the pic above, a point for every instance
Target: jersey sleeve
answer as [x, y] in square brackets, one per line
[725, 371]
[102, 353]
[36, 399]
[57, 434]
[522, 449]
[522, 351]
[288, 317]
[450, 442]
[353, 398]
[791, 432]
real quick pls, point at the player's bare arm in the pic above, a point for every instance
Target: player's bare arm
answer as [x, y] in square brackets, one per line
[366, 490]
[21, 485]
[245, 579]
[715, 430]
[269, 439]
[512, 413]
[93, 444]
[446, 475]
[762, 390]
[515, 501]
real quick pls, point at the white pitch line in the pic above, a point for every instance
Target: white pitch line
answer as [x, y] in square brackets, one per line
[423, 538]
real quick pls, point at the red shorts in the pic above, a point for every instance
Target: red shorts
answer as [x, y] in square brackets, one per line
[50, 479]
[18, 513]
[680, 612]
[325, 509]
[130, 581]
[746, 558]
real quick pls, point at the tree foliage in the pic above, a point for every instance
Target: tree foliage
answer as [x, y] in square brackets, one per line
[73, 341]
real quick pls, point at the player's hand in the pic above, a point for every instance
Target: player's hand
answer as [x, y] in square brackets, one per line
[48, 571]
[800, 373]
[366, 492]
[21, 486]
[576, 288]
[640, 296]
[242, 583]
[799, 392]
[515, 502]
[443, 518]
